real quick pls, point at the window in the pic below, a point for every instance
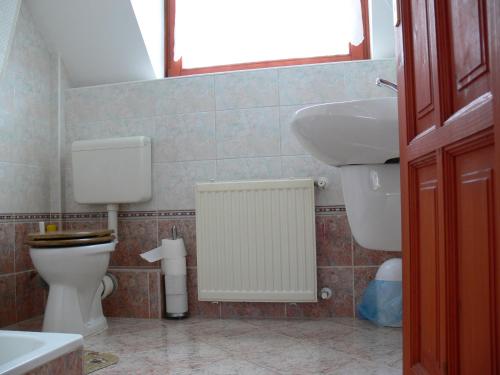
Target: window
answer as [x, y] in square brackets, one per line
[206, 36]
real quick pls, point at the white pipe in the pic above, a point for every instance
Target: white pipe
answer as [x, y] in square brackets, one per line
[108, 285]
[113, 219]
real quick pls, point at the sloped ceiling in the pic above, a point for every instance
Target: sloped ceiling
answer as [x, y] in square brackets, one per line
[99, 41]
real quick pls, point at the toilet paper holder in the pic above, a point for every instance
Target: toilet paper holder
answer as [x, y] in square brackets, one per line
[172, 254]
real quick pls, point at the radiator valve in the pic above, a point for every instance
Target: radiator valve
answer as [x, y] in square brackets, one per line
[326, 293]
[321, 183]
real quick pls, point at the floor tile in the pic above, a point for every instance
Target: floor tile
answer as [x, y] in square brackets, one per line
[339, 346]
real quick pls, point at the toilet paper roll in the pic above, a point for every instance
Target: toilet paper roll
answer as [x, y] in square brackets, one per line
[154, 255]
[174, 266]
[169, 249]
[176, 303]
[174, 248]
[175, 284]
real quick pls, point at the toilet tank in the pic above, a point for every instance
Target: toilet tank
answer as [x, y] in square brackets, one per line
[112, 170]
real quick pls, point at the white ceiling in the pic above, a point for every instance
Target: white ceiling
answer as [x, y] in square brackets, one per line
[99, 40]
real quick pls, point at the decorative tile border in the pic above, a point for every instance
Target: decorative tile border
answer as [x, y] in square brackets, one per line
[176, 214]
[34, 217]
[56, 216]
[24, 217]
[325, 210]
[83, 215]
[5, 218]
[135, 214]
[31, 217]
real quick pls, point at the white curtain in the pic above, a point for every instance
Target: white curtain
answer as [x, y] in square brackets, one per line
[221, 32]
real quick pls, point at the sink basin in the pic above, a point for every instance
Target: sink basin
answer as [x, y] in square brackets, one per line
[347, 133]
[360, 137]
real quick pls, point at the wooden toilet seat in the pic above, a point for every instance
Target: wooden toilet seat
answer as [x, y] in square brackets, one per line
[69, 238]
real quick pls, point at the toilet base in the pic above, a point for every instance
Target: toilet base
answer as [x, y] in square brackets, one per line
[74, 275]
[63, 314]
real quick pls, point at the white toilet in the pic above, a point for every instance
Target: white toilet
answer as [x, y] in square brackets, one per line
[105, 171]
[74, 273]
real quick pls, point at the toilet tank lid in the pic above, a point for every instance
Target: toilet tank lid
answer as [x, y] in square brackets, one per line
[110, 143]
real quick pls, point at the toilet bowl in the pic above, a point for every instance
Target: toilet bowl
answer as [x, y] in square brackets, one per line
[73, 268]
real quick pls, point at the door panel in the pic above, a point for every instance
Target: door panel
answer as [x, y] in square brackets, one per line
[449, 115]
[425, 322]
[424, 74]
[475, 260]
[468, 28]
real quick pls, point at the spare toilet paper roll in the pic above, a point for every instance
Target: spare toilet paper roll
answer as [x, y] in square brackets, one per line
[175, 284]
[174, 266]
[174, 248]
[176, 303]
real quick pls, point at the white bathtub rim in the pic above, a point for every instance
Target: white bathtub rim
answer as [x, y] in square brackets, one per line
[54, 346]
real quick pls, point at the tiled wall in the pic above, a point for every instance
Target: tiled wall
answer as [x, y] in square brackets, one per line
[25, 119]
[9, 10]
[67, 364]
[221, 126]
[228, 126]
[26, 141]
[21, 293]
[343, 266]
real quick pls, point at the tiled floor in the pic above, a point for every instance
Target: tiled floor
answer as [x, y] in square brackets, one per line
[201, 346]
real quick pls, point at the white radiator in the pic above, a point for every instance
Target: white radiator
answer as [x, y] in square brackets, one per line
[256, 241]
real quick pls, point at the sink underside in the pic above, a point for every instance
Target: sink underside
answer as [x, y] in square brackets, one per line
[347, 133]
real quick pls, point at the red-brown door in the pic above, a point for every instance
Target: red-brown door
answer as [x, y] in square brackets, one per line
[449, 94]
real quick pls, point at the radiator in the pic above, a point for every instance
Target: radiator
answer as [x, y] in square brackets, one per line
[256, 241]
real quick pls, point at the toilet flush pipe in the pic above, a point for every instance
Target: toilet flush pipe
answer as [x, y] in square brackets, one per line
[113, 219]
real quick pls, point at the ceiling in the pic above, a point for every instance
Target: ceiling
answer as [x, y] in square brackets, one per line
[100, 41]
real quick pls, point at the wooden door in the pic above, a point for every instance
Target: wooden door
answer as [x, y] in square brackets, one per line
[449, 94]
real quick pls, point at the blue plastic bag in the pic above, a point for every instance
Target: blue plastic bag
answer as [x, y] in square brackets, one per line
[382, 303]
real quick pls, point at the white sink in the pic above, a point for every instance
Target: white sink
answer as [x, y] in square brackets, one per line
[347, 133]
[360, 137]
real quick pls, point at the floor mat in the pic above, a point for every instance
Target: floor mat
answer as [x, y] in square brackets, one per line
[93, 361]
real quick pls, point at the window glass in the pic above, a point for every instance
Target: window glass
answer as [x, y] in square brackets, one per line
[222, 32]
